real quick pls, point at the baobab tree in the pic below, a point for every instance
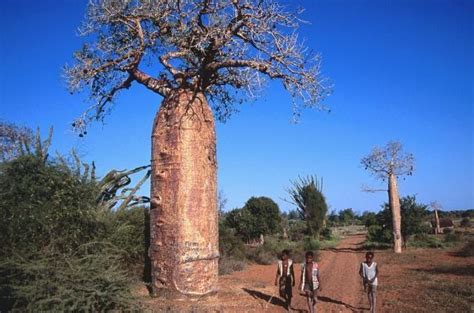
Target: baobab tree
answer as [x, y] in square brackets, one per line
[388, 164]
[202, 57]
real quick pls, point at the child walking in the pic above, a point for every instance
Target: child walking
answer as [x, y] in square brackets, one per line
[310, 281]
[285, 277]
[369, 272]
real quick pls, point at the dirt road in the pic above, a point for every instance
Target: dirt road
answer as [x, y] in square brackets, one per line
[252, 289]
[341, 284]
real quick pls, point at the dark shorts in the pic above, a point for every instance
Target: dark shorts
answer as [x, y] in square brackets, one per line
[286, 290]
[371, 288]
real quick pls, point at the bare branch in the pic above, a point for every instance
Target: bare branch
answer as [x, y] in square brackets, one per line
[218, 47]
[382, 162]
[365, 188]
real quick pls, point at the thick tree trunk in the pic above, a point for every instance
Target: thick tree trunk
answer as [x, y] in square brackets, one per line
[183, 217]
[394, 203]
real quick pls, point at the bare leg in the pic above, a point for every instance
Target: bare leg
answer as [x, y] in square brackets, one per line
[315, 298]
[369, 296]
[374, 296]
[310, 302]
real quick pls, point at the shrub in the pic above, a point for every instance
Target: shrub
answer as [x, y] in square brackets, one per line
[466, 222]
[376, 233]
[230, 246]
[468, 249]
[128, 229]
[43, 205]
[296, 230]
[59, 241]
[228, 265]
[311, 244]
[326, 233]
[91, 279]
[261, 255]
[426, 241]
[453, 237]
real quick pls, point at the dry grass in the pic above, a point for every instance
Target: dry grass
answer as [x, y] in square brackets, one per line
[427, 280]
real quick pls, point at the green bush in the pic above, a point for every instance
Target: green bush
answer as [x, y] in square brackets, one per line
[43, 205]
[311, 244]
[426, 241]
[230, 246]
[92, 279]
[59, 242]
[128, 229]
[296, 230]
[453, 237]
[326, 233]
[466, 222]
[376, 233]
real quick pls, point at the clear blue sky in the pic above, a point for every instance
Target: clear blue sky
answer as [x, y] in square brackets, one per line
[402, 70]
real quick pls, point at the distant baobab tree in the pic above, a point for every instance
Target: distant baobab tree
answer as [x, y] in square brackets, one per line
[202, 57]
[388, 164]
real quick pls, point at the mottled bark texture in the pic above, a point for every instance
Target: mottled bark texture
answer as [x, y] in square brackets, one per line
[394, 203]
[184, 221]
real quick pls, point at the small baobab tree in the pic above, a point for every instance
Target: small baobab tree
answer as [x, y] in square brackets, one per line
[201, 57]
[388, 164]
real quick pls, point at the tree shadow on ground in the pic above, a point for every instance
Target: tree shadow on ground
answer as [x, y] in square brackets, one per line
[346, 250]
[466, 270]
[268, 299]
[466, 251]
[350, 307]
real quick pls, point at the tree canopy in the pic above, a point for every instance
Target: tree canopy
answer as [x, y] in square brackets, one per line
[223, 48]
[391, 159]
[306, 194]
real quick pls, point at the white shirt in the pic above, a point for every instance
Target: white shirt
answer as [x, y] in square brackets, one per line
[369, 272]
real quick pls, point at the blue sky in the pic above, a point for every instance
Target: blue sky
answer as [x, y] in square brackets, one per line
[402, 70]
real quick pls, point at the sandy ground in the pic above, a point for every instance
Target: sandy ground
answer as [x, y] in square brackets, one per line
[252, 290]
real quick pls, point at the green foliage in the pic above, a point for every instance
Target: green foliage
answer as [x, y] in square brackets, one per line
[266, 213]
[369, 219]
[311, 244]
[306, 194]
[91, 279]
[377, 233]
[43, 205]
[333, 218]
[129, 230]
[244, 223]
[230, 246]
[466, 222]
[326, 233]
[412, 215]
[293, 215]
[60, 236]
[259, 216]
[453, 237]
[426, 241]
[296, 230]
[347, 216]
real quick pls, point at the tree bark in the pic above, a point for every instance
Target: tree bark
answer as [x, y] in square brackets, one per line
[184, 249]
[394, 203]
[437, 227]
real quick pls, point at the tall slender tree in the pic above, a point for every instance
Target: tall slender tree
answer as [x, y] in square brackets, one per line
[388, 164]
[201, 56]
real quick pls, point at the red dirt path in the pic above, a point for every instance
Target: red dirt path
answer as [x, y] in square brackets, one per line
[252, 290]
